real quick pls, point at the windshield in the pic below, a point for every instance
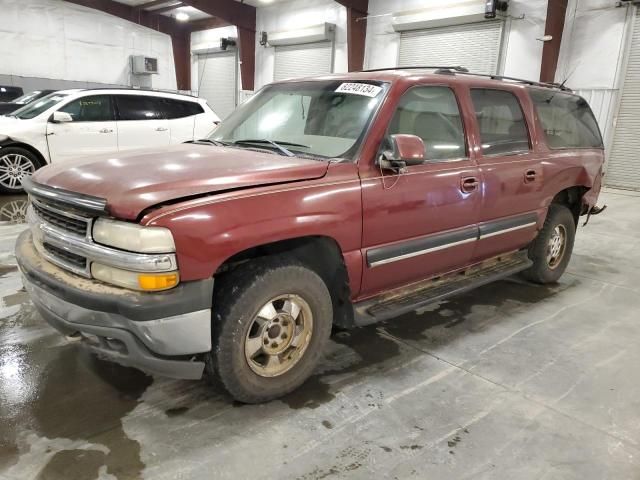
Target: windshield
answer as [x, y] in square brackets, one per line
[319, 118]
[36, 108]
[24, 99]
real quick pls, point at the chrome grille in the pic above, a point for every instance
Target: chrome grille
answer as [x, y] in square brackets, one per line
[68, 257]
[75, 224]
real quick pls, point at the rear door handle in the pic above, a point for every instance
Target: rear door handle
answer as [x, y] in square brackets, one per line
[106, 130]
[530, 176]
[161, 129]
[469, 184]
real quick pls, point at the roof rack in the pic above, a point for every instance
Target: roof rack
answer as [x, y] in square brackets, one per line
[457, 68]
[464, 71]
[141, 89]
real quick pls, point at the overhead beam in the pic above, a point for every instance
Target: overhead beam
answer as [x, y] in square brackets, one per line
[206, 24]
[356, 32]
[556, 13]
[152, 4]
[179, 33]
[243, 16]
[361, 6]
[168, 8]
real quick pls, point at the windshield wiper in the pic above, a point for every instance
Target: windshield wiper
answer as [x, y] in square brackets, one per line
[217, 143]
[276, 145]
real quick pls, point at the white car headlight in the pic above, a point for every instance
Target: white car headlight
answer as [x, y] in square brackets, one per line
[132, 237]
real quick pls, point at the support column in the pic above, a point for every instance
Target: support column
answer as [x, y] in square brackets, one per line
[556, 14]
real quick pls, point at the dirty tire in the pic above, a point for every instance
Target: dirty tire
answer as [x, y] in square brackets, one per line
[559, 220]
[239, 297]
[16, 162]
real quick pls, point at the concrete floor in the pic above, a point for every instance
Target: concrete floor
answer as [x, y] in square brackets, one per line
[512, 381]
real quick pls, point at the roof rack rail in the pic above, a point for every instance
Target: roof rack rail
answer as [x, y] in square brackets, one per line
[464, 71]
[456, 68]
[559, 86]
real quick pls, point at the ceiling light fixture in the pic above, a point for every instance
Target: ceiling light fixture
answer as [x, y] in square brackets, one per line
[182, 17]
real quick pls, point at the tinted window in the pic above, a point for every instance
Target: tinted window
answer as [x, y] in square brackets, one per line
[432, 114]
[90, 109]
[180, 109]
[503, 129]
[567, 120]
[139, 107]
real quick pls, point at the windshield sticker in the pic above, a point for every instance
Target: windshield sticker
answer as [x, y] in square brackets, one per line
[363, 89]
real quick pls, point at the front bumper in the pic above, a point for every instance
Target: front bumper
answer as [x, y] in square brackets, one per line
[159, 333]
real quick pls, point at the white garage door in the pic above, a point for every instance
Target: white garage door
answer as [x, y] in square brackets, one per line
[624, 162]
[217, 77]
[475, 46]
[303, 60]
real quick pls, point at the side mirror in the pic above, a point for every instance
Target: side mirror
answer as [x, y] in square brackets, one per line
[61, 117]
[406, 150]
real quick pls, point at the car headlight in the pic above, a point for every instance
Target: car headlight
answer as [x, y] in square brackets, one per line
[132, 237]
[148, 282]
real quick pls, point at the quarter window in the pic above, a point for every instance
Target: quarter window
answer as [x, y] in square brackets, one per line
[139, 107]
[180, 109]
[97, 108]
[566, 119]
[503, 130]
[432, 113]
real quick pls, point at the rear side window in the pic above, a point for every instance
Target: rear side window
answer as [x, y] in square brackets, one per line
[503, 130]
[179, 109]
[97, 108]
[567, 120]
[139, 107]
[432, 114]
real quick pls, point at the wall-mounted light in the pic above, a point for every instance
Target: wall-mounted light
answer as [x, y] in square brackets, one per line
[182, 17]
[546, 38]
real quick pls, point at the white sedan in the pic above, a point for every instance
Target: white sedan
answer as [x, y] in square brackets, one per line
[75, 123]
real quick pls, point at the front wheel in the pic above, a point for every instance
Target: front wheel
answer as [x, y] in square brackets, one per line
[272, 322]
[15, 164]
[552, 248]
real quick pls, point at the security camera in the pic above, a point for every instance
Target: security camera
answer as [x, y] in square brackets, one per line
[491, 7]
[227, 42]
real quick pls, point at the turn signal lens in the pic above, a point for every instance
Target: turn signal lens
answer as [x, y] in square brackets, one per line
[149, 282]
[158, 282]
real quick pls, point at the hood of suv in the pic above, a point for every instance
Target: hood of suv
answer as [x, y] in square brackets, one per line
[134, 181]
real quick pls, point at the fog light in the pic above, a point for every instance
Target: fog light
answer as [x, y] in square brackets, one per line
[158, 282]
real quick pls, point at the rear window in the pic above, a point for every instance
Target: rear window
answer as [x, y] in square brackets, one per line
[567, 120]
[503, 130]
[139, 107]
[180, 109]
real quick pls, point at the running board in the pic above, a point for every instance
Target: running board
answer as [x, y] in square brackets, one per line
[418, 295]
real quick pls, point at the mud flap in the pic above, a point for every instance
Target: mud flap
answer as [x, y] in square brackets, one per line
[595, 210]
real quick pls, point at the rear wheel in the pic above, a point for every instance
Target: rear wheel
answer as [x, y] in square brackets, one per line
[273, 319]
[15, 164]
[552, 248]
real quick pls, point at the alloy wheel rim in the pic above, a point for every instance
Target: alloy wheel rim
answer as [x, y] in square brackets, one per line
[14, 212]
[279, 335]
[556, 246]
[13, 168]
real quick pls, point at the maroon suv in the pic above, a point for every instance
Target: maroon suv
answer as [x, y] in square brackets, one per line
[342, 200]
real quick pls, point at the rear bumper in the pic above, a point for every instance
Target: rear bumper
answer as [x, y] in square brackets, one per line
[158, 333]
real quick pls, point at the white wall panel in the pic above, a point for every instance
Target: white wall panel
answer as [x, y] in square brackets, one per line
[57, 40]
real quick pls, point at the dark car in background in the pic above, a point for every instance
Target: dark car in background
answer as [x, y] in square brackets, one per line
[8, 93]
[16, 103]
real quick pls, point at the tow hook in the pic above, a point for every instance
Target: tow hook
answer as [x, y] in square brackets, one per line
[595, 210]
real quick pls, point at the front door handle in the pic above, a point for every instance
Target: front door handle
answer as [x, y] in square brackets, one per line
[530, 176]
[161, 129]
[469, 184]
[106, 130]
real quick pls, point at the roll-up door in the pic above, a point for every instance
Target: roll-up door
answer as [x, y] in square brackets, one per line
[475, 46]
[217, 77]
[303, 60]
[623, 169]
